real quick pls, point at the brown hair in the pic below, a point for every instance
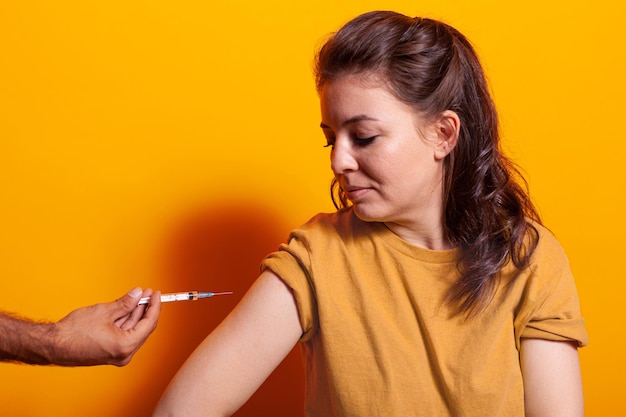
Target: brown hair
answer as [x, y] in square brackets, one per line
[433, 67]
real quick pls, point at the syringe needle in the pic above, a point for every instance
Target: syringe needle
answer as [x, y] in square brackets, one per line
[211, 294]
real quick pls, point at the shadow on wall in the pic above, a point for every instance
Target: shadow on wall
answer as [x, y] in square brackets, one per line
[217, 249]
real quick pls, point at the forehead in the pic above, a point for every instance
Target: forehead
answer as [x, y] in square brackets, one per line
[351, 97]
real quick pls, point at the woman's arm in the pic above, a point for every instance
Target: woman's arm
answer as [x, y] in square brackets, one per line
[235, 359]
[552, 381]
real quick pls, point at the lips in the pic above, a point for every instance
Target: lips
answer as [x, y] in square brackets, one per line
[355, 192]
[354, 189]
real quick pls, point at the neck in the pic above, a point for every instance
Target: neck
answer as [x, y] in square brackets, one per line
[428, 237]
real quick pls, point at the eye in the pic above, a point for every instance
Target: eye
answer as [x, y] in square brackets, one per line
[364, 141]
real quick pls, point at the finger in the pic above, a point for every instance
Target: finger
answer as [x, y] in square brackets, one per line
[124, 305]
[137, 313]
[118, 322]
[155, 307]
[149, 321]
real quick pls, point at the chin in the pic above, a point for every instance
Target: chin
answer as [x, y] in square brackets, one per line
[362, 213]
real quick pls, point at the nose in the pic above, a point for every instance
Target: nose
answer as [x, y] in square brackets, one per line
[342, 157]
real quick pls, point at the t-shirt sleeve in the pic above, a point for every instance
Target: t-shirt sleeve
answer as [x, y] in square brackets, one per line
[550, 308]
[292, 264]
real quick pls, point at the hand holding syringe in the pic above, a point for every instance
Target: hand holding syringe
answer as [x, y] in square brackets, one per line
[184, 296]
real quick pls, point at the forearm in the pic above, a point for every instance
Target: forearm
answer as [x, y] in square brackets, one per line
[105, 333]
[26, 341]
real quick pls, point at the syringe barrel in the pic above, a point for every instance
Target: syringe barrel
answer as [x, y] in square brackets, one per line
[179, 296]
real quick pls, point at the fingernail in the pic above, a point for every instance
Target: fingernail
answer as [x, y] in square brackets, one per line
[135, 292]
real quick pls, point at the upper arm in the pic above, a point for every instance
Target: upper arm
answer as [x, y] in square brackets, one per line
[235, 359]
[552, 381]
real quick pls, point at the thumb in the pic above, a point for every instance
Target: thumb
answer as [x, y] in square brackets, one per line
[128, 302]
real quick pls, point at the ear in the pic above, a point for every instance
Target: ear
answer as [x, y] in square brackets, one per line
[446, 128]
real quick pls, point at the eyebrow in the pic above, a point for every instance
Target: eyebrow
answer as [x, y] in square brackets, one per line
[352, 120]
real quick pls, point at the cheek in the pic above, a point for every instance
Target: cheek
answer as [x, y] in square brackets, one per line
[414, 172]
[402, 165]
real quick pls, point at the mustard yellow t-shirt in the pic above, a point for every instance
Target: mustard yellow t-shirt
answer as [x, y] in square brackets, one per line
[379, 340]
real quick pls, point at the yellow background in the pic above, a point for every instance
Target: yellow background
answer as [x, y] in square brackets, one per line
[173, 144]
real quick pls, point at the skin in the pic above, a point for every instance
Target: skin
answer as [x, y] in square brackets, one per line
[552, 380]
[235, 359]
[388, 158]
[101, 334]
[390, 161]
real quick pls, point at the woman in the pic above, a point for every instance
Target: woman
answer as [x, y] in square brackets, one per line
[434, 290]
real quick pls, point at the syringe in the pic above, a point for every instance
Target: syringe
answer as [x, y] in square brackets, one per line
[184, 296]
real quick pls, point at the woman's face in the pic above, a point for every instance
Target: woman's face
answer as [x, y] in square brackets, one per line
[383, 154]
